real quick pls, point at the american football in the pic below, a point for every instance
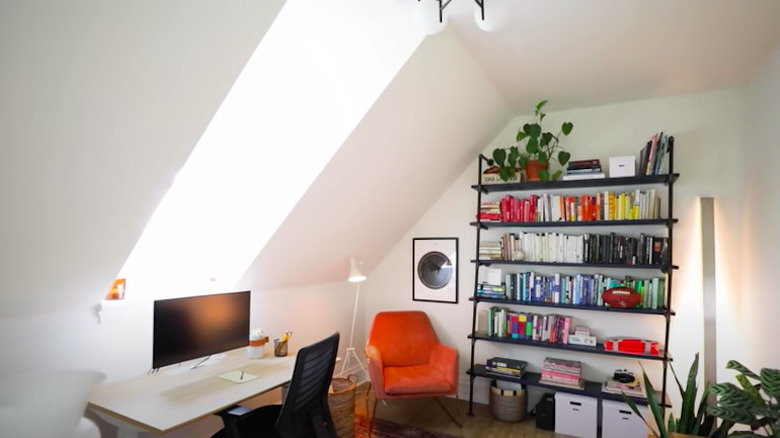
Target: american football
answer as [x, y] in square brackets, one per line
[621, 297]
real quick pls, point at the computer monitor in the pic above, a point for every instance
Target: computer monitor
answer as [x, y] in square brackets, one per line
[192, 327]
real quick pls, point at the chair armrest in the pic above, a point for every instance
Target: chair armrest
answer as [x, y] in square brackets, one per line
[445, 358]
[375, 369]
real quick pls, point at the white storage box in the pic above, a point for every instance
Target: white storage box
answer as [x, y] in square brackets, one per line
[576, 415]
[619, 421]
[622, 166]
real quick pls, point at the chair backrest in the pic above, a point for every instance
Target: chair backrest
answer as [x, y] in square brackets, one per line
[305, 411]
[44, 405]
[403, 337]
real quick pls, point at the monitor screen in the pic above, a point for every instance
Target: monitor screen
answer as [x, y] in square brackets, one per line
[192, 327]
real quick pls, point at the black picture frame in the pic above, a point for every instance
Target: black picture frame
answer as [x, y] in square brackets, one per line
[435, 269]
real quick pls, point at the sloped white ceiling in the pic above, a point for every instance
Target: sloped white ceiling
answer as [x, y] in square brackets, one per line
[101, 104]
[581, 53]
[429, 124]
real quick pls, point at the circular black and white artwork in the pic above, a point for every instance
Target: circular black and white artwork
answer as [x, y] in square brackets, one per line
[435, 269]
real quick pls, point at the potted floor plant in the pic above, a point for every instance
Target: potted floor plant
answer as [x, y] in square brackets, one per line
[535, 155]
[693, 421]
[755, 402]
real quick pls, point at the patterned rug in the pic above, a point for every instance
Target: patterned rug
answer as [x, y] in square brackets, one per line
[389, 429]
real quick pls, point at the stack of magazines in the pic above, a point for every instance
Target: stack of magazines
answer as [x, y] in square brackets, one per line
[561, 372]
[633, 388]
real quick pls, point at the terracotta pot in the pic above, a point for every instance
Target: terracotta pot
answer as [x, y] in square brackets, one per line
[532, 169]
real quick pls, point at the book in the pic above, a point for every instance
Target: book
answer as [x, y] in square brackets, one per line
[579, 176]
[503, 362]
[579, 164]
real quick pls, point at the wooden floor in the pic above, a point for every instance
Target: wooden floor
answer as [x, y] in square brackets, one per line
[428, 415]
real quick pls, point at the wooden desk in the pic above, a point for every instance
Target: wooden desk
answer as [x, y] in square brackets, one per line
[166, 400]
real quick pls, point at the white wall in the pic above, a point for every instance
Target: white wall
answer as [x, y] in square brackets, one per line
[120, 343]
[704, 126]
[759, 297]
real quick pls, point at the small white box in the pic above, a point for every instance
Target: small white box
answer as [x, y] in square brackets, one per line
[619, 421]
[576, 415]
[622, 166]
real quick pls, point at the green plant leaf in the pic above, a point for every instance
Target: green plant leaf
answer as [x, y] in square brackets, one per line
[734, 365]
[521, 135]
[506, 173]
[514, 154]
[533, 145]
[563, 157]
[546, 139]
[532, 129]
[567, 127]
[631, 404]
[689, 398]
[499, 155]
[672, 426]
[542, 156]
[540, 105]
[556, 175]
[655, 406]
[544, 175]
[770, 382]
[748, 387]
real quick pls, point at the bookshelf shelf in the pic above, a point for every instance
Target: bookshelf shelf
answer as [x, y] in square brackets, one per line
[486, 262]
[598, 349]
[666, 179]
[634, 222]
[659, 312]
[646, 251]
[592, 388]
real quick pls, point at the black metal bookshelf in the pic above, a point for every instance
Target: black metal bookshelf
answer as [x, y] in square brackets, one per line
[591, 388]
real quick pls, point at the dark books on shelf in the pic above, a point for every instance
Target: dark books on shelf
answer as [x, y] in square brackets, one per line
[505, 366]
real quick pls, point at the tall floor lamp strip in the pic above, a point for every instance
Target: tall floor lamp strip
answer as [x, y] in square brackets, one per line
[355, 276]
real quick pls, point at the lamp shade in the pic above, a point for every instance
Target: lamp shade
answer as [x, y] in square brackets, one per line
[355, 276]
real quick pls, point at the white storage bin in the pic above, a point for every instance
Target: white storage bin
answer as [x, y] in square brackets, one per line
[619, 421]
[576, 415]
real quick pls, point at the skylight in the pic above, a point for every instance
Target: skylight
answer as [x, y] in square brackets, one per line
[312, 78]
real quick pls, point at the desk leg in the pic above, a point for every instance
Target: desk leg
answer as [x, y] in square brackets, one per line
[124, 429]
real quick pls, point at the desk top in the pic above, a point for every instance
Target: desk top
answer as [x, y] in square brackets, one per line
[170, 399]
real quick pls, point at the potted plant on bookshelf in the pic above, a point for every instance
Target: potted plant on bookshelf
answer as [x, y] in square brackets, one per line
[540, 148]
[690, 423]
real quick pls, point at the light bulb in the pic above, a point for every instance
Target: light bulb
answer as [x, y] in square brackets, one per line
[495, 16]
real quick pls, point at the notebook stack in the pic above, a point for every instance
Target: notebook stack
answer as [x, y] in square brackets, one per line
[504, 366]
[561, 372]
[584, 169]
[633, 388]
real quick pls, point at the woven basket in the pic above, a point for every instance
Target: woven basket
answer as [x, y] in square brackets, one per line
[341, 401]
[507, 405]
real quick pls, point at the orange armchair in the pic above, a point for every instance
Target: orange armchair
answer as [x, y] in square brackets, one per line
[406, 360]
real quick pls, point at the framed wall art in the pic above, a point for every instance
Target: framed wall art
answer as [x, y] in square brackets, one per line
[435, 269]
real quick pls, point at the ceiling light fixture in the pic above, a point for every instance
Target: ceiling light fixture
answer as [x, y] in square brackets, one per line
[430, 13]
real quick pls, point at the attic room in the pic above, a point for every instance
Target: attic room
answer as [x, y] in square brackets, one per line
[217, 146]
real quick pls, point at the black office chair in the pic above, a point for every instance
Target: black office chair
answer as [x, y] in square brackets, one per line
[304, 413]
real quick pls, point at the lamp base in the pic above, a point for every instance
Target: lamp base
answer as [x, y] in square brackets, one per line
[352, 355]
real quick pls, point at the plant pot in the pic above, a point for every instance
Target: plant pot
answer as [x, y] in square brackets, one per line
[532, 169]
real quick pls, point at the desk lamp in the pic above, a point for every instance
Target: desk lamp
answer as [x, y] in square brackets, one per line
[355, 276]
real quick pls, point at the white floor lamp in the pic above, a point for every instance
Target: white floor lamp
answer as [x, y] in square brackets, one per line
[355, 276]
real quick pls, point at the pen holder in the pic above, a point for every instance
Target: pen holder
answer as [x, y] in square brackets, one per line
[280, 348]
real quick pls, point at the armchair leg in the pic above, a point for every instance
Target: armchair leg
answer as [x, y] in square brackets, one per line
[371, 420]
[459, 420]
